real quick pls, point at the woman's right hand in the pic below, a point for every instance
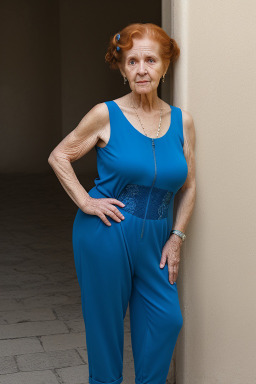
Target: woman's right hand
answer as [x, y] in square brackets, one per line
[102, 207]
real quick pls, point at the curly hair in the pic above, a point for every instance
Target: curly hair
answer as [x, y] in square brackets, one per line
[169, 48]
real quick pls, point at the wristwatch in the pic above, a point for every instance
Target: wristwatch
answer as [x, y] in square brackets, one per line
[179, 233]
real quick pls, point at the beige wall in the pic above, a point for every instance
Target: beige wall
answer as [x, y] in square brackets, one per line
[215, 81]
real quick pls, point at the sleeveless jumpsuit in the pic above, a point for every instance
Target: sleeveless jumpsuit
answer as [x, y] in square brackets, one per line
[119, 264]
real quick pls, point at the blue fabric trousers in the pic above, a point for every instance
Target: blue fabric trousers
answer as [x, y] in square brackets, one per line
[115, 267]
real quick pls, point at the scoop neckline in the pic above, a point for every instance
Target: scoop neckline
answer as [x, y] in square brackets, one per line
[142, 134]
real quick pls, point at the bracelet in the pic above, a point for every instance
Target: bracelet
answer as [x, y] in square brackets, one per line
[179, 233]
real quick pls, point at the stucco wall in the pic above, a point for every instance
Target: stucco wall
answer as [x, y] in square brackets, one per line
[215, 81]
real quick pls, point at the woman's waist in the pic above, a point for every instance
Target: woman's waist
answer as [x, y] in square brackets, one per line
[140, 200]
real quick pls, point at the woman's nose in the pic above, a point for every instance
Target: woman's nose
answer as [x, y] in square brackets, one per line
[141, 68]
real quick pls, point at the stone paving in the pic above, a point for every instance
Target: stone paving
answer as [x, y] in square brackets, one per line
[42, 333]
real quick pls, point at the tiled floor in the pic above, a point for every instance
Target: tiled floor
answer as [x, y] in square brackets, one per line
[42, 335]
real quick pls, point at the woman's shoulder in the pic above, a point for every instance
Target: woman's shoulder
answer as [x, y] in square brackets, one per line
[186, 117]
[188, 126]
[95, 119]
[99, 111]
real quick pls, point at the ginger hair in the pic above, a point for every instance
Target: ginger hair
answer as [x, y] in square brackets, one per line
[169, 49]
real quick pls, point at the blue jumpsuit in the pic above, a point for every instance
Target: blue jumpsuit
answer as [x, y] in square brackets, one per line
[119, 264]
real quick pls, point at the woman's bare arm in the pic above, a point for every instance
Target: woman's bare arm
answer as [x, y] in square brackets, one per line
[183, 203]
[185, 197]
[75, 145]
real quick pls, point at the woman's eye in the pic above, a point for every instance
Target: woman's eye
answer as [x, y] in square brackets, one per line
[150, 59]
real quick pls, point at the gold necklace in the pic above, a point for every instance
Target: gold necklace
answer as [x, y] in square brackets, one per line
[141, 122]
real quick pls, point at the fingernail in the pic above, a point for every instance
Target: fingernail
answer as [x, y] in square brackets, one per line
[123, 204]
[161, 265]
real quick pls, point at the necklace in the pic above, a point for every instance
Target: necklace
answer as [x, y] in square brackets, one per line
[142, 124]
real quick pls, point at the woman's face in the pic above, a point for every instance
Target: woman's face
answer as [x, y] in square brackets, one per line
[143, 63]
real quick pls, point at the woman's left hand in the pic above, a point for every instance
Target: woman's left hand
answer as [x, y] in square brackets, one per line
[171, 253]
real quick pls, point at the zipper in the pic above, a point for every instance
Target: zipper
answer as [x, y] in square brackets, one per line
[154, 153]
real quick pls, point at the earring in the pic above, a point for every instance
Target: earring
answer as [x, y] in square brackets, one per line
[125, 79]
[163, 78]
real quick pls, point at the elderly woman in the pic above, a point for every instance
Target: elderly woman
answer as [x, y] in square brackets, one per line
[125, 241]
